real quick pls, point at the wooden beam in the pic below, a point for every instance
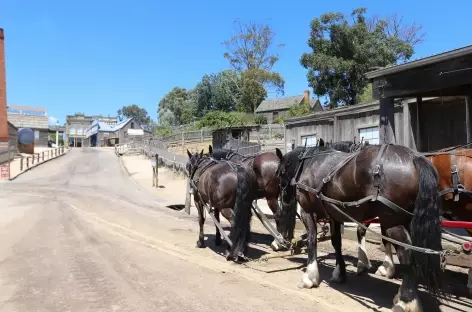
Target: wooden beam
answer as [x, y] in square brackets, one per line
[439, 76]
[406, 125]
[468, 118]
[419, 104]
[387, 121]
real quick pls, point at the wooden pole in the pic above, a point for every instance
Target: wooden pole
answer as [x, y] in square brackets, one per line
[183, 144]
[157, 170]
[42, 155]
[32, 160]
[9, 159]
[188, 197]
[21, 163]
[27, 162]
[173, 165]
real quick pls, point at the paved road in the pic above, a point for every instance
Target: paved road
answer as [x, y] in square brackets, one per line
[80, 235]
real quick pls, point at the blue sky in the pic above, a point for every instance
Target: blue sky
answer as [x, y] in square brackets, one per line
[96, 56]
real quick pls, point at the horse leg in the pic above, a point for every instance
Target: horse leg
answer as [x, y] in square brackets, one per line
[274, 207]
[407, 299]
[201, 222]
[339, 273]
[228, 215]
[311, 278]
[387, 269]
[363, 262]
[218, 234]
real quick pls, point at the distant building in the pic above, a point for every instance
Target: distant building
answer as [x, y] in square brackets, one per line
[77, 124]
[34, 118]
[271, 109]
[101, 133]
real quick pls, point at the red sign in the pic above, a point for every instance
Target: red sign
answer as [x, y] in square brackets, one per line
[4, 172]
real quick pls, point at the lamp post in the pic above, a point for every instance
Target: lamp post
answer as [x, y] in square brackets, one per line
[57, 133]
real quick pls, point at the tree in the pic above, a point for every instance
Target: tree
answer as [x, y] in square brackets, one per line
[219, 119]
[177, 106]
[219, 91]
[251, 52]
[343, 52]
[140, 115]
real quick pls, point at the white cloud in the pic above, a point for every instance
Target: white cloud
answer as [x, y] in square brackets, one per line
[52, 120]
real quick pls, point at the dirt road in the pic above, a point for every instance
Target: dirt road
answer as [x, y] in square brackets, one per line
[79, 235]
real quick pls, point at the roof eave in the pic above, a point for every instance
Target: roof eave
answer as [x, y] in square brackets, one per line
[421, 62]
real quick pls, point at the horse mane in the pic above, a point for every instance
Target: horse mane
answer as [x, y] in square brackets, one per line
[343, 146]
[293, 155]
[220, 153]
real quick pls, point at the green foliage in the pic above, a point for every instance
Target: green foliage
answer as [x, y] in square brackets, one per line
[299, 109]
[251, 52]
[177, 107]
[260, 120]
[366, 95]
[344, 51]
[279, 120]
[218, 92]
[220, 119]
[139, 114]
[162, 131]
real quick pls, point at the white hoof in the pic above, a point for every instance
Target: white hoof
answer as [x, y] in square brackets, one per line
[275, 245]
[412, 306]
[307, 282]
[385, 271]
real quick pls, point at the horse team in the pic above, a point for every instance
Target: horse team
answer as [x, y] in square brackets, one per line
[342, 184]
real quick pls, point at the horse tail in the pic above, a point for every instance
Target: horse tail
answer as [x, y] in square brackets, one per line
[425, 227]
[241, 223]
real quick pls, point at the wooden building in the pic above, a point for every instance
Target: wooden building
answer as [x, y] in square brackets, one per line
[271, 109]
[34, 118]
[427, 125]
[423, 104]
[77, 124]
[103, 134]
[236, 138]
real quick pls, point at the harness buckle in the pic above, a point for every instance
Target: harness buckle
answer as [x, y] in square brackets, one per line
[293, 182]
[453, 169]
[376, 170]
[326, 179]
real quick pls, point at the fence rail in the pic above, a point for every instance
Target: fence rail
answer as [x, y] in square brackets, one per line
[188, 136]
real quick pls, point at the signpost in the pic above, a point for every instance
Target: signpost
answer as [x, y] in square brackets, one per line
[5, 171]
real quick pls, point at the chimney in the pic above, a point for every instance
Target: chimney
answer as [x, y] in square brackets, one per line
[3, 92]
[306, 96]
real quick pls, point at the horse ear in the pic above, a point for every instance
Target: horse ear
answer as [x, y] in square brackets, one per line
[321, 143]
[210, 150]
[201, 154]
[189, 154]
[279, 154]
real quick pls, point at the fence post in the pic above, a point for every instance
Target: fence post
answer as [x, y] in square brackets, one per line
[173, 165]
[201, 135]
[21, 163]
[9, 159]
[32, 160]
[42, 155]
[27, 162]
[157, 169]
[183, 144]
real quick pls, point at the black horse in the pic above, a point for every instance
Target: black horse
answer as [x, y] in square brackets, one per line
[226, 187]
[389, 181]
[265, 166]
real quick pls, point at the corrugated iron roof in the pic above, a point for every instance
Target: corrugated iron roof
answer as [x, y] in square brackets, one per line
[279, 104]
[28, 121]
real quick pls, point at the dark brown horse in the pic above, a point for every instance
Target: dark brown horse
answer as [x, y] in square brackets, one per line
[265, 166]
[389, 181]
[226, 187]
[455, 190]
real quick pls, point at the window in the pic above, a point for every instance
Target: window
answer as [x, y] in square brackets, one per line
[275, 115]
[36, 134]
[370, 135]
[132, 125]
[310, 140]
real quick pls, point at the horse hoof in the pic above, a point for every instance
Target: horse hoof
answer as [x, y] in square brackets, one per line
[412, 306]
[385, 272]
[275, 246]
[338, 279]
[200, 244]
[362, 269]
